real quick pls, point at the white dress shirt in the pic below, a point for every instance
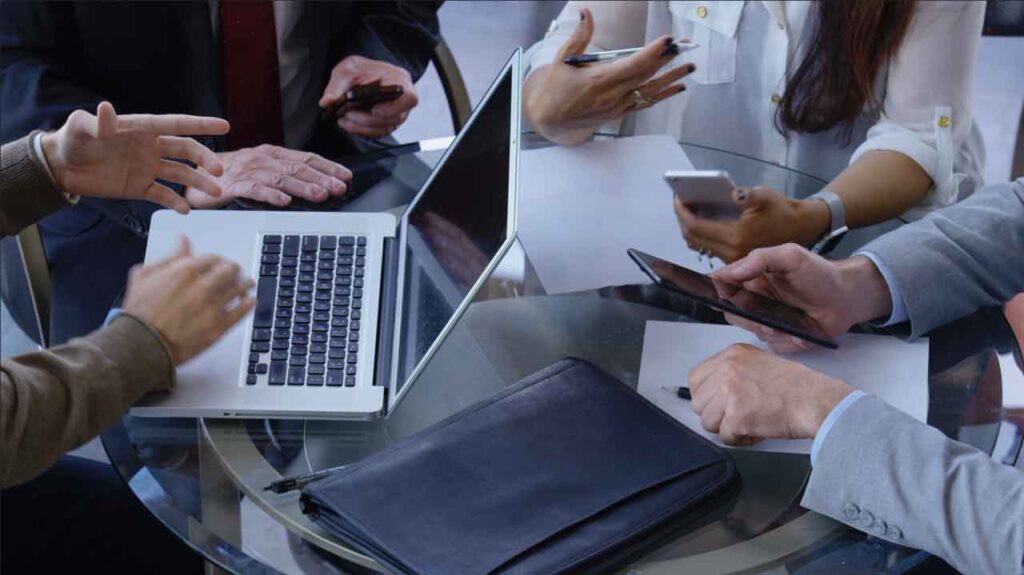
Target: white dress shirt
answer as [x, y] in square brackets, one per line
[748, 50]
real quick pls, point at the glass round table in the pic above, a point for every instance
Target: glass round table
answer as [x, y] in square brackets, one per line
[207, 479]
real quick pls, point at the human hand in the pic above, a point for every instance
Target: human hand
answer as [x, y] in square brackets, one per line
[745, 394]
[567, 103]
[120, 157]
[274, 175]
[836, 295]
[769, 219]
[189, 300]
[384, 117]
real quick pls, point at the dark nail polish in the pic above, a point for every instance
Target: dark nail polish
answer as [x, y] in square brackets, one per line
[742, 195]
[693, 68]
[583, 15]
[681, 89]
[668, 42]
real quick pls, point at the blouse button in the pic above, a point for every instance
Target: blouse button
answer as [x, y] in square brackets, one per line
[944, 121]
[702, 11]
[776, 99]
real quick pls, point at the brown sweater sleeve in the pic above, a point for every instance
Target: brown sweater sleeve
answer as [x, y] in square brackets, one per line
[26, 192]
[55, 400]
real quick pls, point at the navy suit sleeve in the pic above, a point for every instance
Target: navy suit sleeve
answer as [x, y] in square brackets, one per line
[402, 33]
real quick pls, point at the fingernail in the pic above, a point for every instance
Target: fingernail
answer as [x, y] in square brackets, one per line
[681, 89]
[742, 195]
[336, 185]
[583, 15]
[693, 68]
[667, 41]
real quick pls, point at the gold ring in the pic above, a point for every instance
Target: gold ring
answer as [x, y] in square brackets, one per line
[640, 101]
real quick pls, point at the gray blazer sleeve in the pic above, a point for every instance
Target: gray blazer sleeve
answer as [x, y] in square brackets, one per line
[883, 472]
[959, 258]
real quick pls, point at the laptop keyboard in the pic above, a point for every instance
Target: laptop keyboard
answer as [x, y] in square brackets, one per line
[309, 301]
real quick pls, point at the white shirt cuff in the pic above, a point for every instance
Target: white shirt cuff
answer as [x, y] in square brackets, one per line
[37, 144]
[899, 307]
[831, 420]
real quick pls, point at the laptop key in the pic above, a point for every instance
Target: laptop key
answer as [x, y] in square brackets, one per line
[358, 282]
[321, 326]
[262, 368]
[265, 291]
[350, 370]
[307, 267]
[296, 376]
[291, 245]
[300, 329]
[341, 301]
[282, 333]
[339, 322]
[354, 326]
[319, 337]
[278, 372]
[353, 347]
[357, 304]
[360, 251]
[325, 265]
[338, 333]
[352, 358]
[303, 308]
[299, 339]
[310, 243]
[280, 344]
[316, 369]
[318, 348]
[289, 262]
[286, 282]
[307, 257]
[324, 276]
[323, 296]
[342, 281]
[322, 306]
[302, 318]
[283, 322]
[335, 364]
[260, 347]
[321, 316]
[328, 242]
[350, 381]
[308, 278]
[356, 314]
[346, 251]
[335, 378]
[336, 353]
[286, 292]
[342, 291]
[251, 379]
[344, 270]
[287, 272]
[279, 355]
[304, 297]
[360, 262]
[252, 368]
[337, 343]
[254, 357]
[346, 241]
[261, 334]
[339, 312]
[315, 381]
[360, 272]
[270, 259]
[297, 361]
[317, 358]
[299, 350]
[284, 302]
[272, 239]
[284, 312]
[345, 261]
[361, 241]
[353, 336]
[271, 249]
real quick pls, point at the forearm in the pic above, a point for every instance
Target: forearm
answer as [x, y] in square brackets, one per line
[55, 400]
[400, 33]
[883, 472]
[26, 192]
[879, 186]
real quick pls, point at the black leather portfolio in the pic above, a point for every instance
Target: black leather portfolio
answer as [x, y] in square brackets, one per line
[566, 471]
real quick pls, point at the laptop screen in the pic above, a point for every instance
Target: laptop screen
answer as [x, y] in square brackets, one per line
[457, 226]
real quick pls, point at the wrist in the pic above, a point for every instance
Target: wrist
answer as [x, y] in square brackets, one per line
[865, 293]
[823, 404]
[50, 144]
[814, 221]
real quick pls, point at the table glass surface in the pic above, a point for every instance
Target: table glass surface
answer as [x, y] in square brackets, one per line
[205, 478]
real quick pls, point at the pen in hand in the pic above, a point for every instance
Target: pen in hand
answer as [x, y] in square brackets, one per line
[680, 391]
[591, 57]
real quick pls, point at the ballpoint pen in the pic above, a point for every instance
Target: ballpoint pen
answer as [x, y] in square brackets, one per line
[680, 391]
[299, 481]
[590, 58]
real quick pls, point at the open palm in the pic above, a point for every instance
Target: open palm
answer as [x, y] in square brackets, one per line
[108, 156]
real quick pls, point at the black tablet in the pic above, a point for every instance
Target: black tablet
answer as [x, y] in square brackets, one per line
[740, 302]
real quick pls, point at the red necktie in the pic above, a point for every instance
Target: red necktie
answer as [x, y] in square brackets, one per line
[252, 90]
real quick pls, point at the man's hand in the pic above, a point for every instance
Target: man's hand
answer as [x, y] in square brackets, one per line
[383, 118]
[189, 300]
[274, 175]
[837, 295]
[745, 395]
[107, 156]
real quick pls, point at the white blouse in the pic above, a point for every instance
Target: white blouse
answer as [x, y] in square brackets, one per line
[747, 51]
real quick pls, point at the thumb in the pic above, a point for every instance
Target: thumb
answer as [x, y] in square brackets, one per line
[106, 121]
[752, 198]
[580, 39]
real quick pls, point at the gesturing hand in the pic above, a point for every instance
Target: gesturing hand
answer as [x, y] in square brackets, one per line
[111, 156]
[274, 175]
[384, 117]
[836, 295]
[567, 103]
[189, 300]
[745, 395]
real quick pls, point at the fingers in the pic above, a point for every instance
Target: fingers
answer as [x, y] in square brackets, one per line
[254, 190]
[711, 414]
[174, 124]
[179, 173]
[371, 120]
[659, 83]
[191, 150]
[762, 261]
[636, 68]
[166, 197]
[399, 107]
[312, 160]
[754, 198]
[233, 315]
[710, 230]
[106, 121]
[224, 282]
[345, 123]
[292, 185]
[580, 38]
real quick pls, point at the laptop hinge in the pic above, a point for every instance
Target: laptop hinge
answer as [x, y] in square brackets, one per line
[386, 318]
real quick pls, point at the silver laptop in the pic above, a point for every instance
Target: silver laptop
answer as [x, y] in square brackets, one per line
[351, 306]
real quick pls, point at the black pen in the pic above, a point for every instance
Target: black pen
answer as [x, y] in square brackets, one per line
[578, 59]
[299, 481]
[680, 391]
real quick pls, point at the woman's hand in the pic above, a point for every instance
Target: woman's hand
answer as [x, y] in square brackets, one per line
[108, 156]
[768, 219]
[567, 103]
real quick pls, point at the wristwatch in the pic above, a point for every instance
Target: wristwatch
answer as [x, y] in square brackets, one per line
[837, 227]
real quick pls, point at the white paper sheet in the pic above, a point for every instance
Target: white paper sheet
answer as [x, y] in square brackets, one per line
[894, 370]
[581, 207]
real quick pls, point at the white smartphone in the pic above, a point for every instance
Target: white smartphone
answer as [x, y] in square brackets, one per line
[706, 192]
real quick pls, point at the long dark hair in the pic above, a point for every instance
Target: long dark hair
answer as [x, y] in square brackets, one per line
[837, 77]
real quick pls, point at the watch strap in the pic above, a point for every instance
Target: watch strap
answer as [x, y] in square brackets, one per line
[837, 226]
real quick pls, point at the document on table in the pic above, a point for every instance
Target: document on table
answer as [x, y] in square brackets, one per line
[894, 370]
[581, 207]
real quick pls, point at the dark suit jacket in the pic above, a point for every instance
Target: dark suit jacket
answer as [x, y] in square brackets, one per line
[158, 57]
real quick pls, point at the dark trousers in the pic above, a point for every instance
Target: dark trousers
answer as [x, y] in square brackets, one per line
[79, 517]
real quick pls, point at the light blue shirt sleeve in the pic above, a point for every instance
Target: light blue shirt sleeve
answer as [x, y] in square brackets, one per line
[899, 307]
[114, 312]
[833, 417]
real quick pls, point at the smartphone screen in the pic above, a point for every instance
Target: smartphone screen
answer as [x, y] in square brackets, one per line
[732, 299]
